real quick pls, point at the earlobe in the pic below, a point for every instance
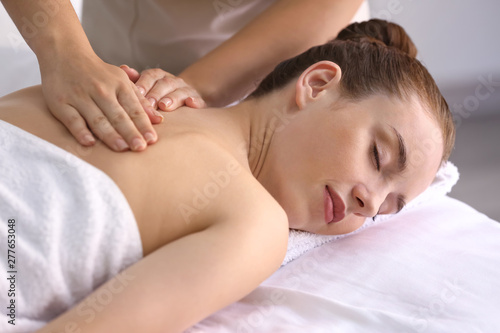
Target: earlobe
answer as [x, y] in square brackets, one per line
[315, 82]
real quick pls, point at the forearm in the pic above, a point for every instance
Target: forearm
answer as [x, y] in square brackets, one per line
[51, 28]
[284, 30]
[177, 285]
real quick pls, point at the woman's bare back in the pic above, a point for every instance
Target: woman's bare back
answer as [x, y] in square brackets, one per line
[210, 231]
[174, 186]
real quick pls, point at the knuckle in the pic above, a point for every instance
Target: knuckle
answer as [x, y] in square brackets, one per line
[136, 113]
[72, 119]
[167, 82]
[119, 117]
[146, 72]
[58, 99]
[77, 90]
[152, 73]
[101, 90]
[100, 122]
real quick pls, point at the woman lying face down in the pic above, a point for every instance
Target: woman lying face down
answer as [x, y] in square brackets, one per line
[342, 132]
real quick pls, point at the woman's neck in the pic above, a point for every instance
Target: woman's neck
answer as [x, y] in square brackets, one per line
[260, 119]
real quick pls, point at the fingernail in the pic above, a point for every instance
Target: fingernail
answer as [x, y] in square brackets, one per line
[138, 144]
[88, 139]
[156, 113]
[152, 101]
[121, 145]
[142, 91]
[165, 103]
[150, 137]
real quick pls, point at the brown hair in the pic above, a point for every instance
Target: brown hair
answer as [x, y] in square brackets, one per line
[375, 56]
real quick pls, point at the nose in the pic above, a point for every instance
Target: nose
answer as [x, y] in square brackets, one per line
[366, 203]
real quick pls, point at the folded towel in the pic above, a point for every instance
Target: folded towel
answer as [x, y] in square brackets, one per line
[299, 242]
[73, 229]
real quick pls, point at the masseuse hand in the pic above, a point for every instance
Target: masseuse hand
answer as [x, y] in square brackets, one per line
[163, 90]
[87, 91]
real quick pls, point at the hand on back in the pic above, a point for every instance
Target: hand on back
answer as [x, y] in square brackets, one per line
[93, 98]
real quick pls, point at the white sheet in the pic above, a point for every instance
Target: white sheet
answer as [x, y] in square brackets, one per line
[430, 269]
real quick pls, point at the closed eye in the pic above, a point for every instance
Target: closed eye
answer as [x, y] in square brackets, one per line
[376, 156]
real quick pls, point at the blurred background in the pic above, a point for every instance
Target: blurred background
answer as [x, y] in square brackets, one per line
[457, 41]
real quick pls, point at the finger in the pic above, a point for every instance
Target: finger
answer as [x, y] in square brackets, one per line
[164, 87]
[101, 127]
[148, 79]
[154, 116]
[178, 98]
[133, 75]
[195, 102]
[130, 102]
[75, 123]
[120, 120]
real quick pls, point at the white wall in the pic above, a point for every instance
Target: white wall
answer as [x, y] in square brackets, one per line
[18, 64]
[8, 31]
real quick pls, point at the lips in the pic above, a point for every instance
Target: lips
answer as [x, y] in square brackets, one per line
[334, 206]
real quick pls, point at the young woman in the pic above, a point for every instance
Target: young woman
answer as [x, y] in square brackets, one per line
[345, 131]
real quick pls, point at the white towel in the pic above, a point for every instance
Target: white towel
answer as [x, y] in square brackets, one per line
[73, 229]
[299, 242]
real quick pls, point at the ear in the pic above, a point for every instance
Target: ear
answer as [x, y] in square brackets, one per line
[315, 82]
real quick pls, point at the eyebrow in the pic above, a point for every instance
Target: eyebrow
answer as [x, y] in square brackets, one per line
[402, 160]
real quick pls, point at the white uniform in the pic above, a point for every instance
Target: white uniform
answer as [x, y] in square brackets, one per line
[170, 34]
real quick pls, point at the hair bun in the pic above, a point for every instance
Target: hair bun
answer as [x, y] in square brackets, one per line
[375, 30]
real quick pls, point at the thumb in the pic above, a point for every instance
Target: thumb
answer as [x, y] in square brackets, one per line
[133, 75]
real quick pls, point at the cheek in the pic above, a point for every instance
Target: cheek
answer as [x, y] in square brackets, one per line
[349, 224]
[349, 156]
[353, 222]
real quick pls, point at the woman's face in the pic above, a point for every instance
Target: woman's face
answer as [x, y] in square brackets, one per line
[330, 168]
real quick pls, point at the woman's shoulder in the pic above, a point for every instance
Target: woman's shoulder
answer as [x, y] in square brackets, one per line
[221, 184]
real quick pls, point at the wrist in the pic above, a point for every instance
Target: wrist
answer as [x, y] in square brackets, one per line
[54, 49]
[208, 92]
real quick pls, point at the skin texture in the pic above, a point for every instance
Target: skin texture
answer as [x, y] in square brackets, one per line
[278, 151]
[81, 90]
